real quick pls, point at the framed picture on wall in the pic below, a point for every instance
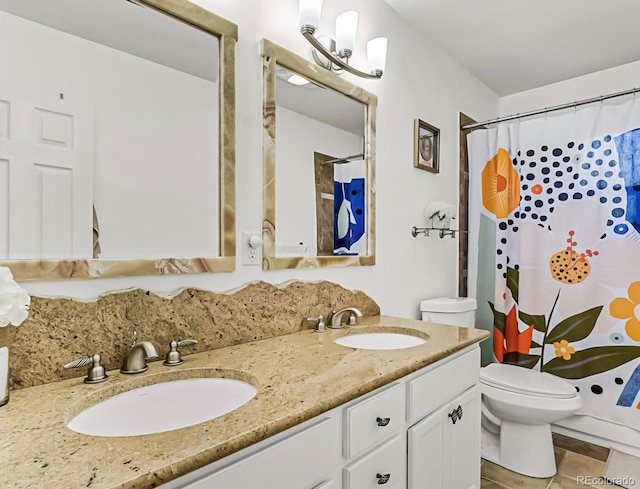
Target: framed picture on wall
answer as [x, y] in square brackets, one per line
[426, 146]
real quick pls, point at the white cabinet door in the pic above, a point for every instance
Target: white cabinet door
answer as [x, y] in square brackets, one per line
[462, 440]
[426, 455]
[444, 448]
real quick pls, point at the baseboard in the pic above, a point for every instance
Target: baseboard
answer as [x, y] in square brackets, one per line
[600, 433]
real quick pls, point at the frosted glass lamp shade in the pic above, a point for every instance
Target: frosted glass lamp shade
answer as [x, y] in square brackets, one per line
[310, 12]
[377, 53]
[346, 26]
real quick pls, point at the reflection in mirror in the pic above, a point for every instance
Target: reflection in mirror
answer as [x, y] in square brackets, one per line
[322, 210]
[111, 136]
[319, 155]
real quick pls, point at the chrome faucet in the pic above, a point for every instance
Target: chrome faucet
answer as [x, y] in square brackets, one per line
[336, 318]
[136, 359]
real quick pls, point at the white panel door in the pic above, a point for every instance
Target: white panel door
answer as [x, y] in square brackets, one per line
[46, 175]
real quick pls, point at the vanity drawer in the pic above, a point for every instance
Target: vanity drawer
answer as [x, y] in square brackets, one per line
[373, 420]
[303, 460]
[430, 390]
[384, 467]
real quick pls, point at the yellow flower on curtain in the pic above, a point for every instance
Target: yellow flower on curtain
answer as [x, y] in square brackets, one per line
[500, 185]
[563, 349]
[623, 308]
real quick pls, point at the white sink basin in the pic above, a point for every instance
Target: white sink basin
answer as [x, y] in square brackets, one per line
[380, 341]
[163, 407]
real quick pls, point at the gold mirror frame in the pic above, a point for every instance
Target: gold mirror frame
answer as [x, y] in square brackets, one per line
[273, 54]
[227, 33]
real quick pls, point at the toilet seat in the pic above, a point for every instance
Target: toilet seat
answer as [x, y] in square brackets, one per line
[526, 382]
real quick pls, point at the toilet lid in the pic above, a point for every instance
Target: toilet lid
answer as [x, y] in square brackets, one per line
[525, 381]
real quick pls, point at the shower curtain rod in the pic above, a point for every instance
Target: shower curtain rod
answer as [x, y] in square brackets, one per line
[342, 161]
[552, 109]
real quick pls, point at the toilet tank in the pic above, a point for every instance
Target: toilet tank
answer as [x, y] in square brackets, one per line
[457, 311]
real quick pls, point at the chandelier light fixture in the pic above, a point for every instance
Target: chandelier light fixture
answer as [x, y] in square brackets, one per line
[334, 54]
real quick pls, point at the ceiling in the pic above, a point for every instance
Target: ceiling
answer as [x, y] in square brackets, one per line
[517, 45]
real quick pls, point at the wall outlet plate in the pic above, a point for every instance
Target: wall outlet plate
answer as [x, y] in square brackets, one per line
[251, 255]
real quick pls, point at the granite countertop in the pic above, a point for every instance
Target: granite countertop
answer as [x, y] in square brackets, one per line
[298, 376]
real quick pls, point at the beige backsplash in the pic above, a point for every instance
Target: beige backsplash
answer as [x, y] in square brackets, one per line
[60, 330]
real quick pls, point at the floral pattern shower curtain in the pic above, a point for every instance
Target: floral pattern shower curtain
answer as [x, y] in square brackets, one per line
[555, 207]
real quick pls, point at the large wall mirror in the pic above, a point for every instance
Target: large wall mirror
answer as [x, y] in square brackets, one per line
[319, 166]
[117, 138]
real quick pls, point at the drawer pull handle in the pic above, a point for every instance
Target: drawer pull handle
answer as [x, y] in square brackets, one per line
[383, 478]
[456, 414]
[382, 421]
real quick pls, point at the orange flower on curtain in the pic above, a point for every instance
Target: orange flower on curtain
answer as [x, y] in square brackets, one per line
[500, 185]
[623, 308]
[563, 349]
[511, 340]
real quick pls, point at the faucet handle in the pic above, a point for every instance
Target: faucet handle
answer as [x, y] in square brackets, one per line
[320, 326]
[96, 372]
[173, 355]
[353, 319]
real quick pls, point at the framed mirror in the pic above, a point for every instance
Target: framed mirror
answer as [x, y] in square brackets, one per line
[117, 139]
[318, 166]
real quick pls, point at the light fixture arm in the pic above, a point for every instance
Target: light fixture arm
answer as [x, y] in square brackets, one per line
[307, 31]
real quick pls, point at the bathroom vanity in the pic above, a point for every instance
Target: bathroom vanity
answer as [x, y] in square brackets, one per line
[324, 416]
[423, 429]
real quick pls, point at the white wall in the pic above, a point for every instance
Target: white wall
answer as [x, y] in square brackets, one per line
[420, 81]
[603, 82]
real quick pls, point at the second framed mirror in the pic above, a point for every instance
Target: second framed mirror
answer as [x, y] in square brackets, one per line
[319, 166]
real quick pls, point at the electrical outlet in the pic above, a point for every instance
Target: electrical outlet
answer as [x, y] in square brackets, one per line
[251, 248]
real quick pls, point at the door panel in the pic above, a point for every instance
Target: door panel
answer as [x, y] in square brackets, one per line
[46, 165]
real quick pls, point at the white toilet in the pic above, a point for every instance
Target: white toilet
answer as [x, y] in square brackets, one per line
[518, 404]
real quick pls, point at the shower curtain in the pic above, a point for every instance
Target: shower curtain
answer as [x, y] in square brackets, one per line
[555, 207]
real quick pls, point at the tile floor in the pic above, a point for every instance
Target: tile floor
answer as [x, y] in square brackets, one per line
[576, 461]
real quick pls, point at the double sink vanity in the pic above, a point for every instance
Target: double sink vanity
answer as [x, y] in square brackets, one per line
[323, 415]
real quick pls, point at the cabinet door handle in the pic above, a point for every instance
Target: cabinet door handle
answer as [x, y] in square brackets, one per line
[456, 414]
[382, 421]
[383, 478]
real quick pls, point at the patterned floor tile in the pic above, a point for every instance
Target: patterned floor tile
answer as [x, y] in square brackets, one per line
[574, 466]
[509, 479]
[487, 484]
[562, 482]
[581, 447]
